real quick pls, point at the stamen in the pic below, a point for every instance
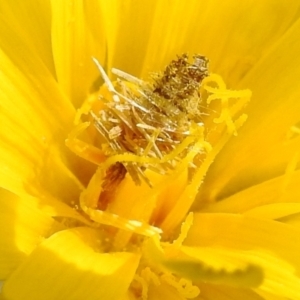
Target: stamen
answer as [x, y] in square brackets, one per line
[152, 120]
[127, 76]
[186, 199]
[184, 287]
[106, 79]
[104, 217]
[158, 125]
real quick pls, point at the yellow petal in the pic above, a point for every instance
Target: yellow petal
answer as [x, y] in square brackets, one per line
[293, 220]
[255, 240]
[30, 22]
[72, 267]
[129, 27]
[23, 226]
[128, 296]
[225, 32]
[243, 232]
[219, 292]
[281, 191]
[35, 120]
[269, 296]
[164, 291]
[274, 211]
[262, 149]
[77, 36]
[233, 27]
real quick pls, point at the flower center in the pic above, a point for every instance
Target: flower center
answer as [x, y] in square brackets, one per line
[153, 142]
[151, 119]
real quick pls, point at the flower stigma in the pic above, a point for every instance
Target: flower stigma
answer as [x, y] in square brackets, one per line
[153, 142]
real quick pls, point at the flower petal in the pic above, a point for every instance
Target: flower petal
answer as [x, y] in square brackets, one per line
[281, 192]
[164, 291]
[35, 118]
[213, 292]
[30, 21]
[226, 33]
[72, 268]
[255, 240]
[23, 226]
[263, 148]
[128, 296]
[130, 24]
[229, 34]
[77, 36]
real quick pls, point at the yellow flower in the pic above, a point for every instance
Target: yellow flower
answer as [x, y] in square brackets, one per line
[216, 216]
